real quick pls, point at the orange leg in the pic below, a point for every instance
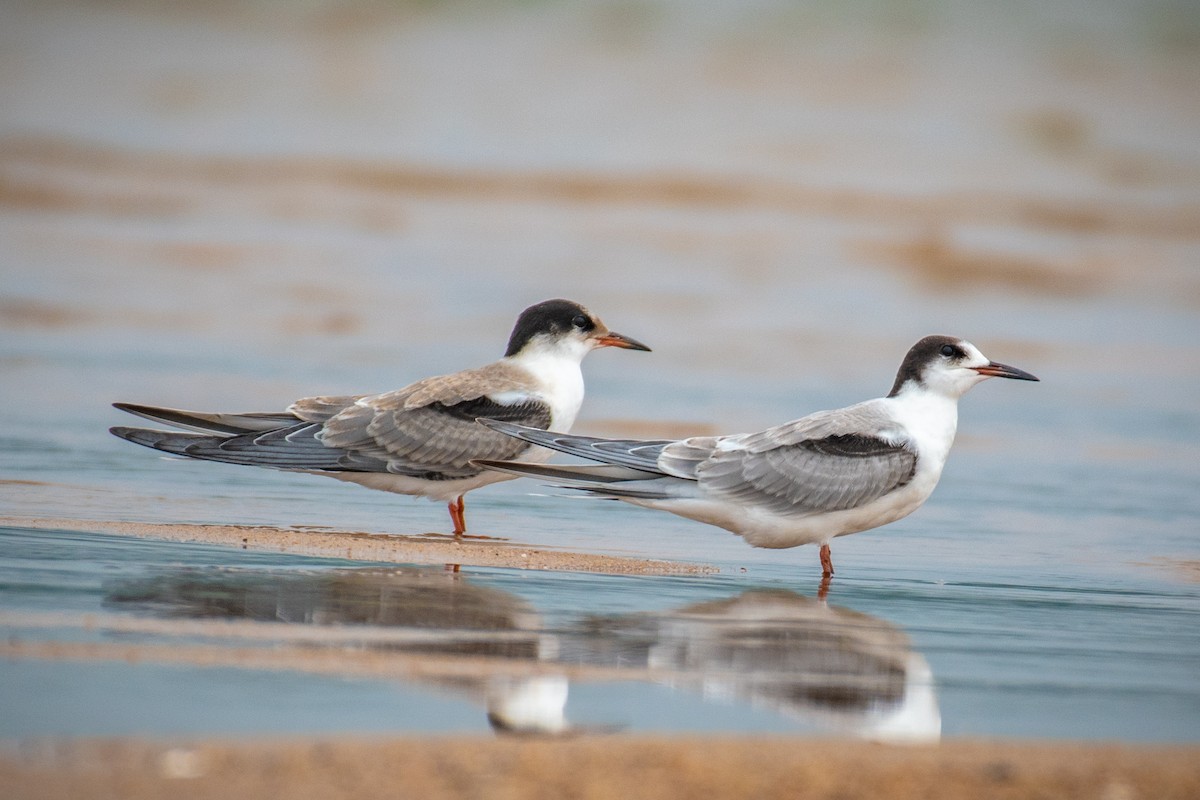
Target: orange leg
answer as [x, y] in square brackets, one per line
[457, 515]
[826, 561]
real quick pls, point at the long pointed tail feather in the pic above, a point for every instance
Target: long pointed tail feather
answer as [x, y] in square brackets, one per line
[590, 473]
[284, 449]
[166, 441]
[638, 454]
[609, 481]
[610, 492]
[208, 422]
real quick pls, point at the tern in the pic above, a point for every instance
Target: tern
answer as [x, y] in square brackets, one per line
[422, 439]
[829, 474]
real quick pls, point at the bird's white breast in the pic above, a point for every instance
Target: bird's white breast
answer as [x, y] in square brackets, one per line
[559, 382]
[929, 421]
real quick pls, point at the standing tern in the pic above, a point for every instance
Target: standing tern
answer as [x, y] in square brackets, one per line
[419, 440]
[804, 482]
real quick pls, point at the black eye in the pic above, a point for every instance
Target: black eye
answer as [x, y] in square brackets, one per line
[949, 350]
[580, 321]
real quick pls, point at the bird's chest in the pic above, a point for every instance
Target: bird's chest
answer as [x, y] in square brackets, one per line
[565, 401]
[559, 384]
[930, 423]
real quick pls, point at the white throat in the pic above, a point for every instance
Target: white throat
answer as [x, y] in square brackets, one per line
[931, 419]
[556, 370]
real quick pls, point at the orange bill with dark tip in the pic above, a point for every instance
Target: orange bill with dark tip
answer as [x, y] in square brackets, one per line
[612, 339]
[997, 370]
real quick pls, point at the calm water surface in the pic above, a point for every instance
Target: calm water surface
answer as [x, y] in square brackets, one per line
[884, 658]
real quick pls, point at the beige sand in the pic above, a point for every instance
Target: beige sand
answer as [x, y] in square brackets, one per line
[387, 548]
[595, 768]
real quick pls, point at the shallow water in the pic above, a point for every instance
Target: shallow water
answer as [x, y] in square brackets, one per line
[887, 659]
[747, 195]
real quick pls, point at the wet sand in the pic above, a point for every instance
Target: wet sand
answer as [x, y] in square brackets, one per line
[595, 768]
[357, 546]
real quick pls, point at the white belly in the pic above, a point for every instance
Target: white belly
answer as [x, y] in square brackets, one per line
[444, 491]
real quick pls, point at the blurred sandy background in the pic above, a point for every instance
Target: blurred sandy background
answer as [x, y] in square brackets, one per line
[765, 187]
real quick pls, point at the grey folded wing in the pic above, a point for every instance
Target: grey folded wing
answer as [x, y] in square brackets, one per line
[826, 473]
[438, 439]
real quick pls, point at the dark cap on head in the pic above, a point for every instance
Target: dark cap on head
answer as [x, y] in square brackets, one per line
[548, 317]
[921, 354]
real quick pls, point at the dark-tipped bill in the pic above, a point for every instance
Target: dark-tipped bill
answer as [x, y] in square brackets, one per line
[997, 370]
[611, 339]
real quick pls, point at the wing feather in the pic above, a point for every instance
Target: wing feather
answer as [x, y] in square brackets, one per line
[207, 422]
[681, 459]
[831, 473]
[639, 454]
[319, 409]
[439, 437]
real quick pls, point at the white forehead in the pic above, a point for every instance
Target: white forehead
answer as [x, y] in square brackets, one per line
[971, 357]
[974, 356]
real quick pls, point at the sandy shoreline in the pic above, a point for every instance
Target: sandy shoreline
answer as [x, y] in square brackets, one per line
[390, 548]
[594, 767]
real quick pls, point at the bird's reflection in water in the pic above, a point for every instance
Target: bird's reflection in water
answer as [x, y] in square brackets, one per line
[415, 598]
[446, 614]
[842, 670]
[778, 650]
